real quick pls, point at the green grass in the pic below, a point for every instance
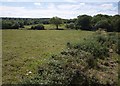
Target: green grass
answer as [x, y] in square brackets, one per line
[23, 50]
[51, 26]
[47, 26]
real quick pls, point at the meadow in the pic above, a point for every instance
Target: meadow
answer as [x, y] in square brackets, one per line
[24, 50]
[46, 26]
[81, 51]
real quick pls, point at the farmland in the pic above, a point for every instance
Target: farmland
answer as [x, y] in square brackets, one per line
[23, 50]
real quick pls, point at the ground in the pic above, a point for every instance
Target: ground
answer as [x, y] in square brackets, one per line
[23, 50]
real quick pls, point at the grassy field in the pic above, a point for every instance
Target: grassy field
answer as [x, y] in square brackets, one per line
[24, 49]
[46, 26]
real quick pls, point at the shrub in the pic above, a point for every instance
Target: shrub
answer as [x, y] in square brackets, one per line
[15, 26]
[83, 22]
[70, 26]
[118, 45]
[6, 25]
[78, 65]
[38, 27]
[104, 24]
[116, 24]
[60, 70]
[95, 48]
[10, 25]
[21, 24]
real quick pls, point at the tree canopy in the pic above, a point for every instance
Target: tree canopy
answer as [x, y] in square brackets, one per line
[56, 21]
[83, 22]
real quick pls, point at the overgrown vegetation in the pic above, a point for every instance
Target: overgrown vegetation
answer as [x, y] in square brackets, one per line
[92, 62]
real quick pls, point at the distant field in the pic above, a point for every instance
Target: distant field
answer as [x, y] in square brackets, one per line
[51, 26]
[24, 49]
[46, 26]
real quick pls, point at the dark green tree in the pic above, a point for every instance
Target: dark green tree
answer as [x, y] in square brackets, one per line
[83, 22]
[104, 24]
[98, 18]
[15, 25]
[116, 23]
[56, 21]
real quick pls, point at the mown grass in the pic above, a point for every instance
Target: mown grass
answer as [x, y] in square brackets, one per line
[24, 50]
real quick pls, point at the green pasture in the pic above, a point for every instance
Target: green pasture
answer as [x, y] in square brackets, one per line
[46, 26]
[23, 50]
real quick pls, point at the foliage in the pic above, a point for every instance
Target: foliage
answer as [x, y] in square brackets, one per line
[52, 27]
[37, 27]
[99, 17]
[116, 24]
[56, 21]
[95, 48]
[78, 66]
[84, 22]
[68, 21]
[21, 24]
[118, 45]
[10, 25]
[103, 24]
[70, 26]
[7, 23]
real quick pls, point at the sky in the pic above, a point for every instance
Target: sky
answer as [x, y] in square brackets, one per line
[61, 8]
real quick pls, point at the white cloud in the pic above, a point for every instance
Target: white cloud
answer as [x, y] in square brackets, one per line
[8, 8]
[64, 10]
[7, 11]
[107, 6]
[70, 1]
[51, 6]
[37, 3]
[90, 0]
[70, 6]
[82, 3]
[59, 0]
[20, 0]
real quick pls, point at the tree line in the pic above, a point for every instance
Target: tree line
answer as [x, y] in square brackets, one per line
[83, 22]
[16, 23]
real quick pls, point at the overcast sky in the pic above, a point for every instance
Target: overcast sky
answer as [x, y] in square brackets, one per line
[60, 8]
